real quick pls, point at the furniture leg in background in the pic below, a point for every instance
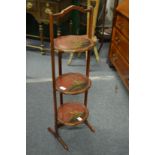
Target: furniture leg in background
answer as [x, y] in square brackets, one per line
[104, 14]
[74, 26]
[95, 4]
[40, 10]
[41, 32]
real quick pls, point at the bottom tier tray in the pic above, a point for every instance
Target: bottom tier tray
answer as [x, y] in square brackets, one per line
[72, 114]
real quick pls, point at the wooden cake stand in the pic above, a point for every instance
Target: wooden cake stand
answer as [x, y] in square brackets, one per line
[70, 113]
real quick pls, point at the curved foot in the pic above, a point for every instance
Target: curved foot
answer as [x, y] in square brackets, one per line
[60, 140]
[96, 54]
[89, 126]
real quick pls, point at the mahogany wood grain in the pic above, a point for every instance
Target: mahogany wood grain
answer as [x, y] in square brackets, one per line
[119, 48]
[123, 25]
[121, 43]
[120, 64]
[123, 8]
[70, 83]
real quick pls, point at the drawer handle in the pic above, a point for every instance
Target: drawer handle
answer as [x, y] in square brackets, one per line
[114, 57]
[48, 10]
[29, 5]
[117, 40]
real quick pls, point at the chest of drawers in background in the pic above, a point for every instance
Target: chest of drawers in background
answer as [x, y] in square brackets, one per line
[40, 8]
[119, 48]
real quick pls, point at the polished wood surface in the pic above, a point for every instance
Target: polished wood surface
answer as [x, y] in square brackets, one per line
[69, 113]
[73, 43]
[123, 8]
[122, 24]
[120, 64]
[72, 83]
[119, 49]
[121, 43]
[69, 83]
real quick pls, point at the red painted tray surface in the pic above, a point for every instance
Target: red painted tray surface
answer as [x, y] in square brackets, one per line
[69, 113]
[73, 43]
[72, 83]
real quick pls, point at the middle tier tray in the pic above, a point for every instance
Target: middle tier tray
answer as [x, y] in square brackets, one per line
[72, 83]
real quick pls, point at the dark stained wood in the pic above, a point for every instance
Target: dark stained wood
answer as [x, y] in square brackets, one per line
[60, 73]
[56, 135]
[71, 8]
[87, 74]
[72, 83]
[53, 73]
[89, 126]
[75, 43]
[68, 113]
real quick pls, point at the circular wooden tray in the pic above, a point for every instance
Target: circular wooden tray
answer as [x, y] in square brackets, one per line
[72, 114]
[73, 43]
[72, 83]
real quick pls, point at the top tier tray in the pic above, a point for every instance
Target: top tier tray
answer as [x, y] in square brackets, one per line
[73, 43]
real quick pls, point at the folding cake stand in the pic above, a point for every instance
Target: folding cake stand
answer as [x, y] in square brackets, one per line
[70, 113]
